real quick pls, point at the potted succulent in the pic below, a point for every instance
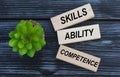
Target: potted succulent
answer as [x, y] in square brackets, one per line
[27, 38]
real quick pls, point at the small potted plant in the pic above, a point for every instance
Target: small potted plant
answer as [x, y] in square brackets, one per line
[27, 38]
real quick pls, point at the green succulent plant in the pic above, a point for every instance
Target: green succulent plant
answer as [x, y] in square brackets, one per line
[27, 38]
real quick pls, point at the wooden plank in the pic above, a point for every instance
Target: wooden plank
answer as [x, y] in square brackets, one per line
[79, 34]
[44, 62]
[44, 9]
[72, 17]
[33, 75]
[78, 58]
[109, 29]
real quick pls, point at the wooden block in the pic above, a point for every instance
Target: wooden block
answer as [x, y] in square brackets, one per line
[79, 34]
[72, 17]
[78, 58]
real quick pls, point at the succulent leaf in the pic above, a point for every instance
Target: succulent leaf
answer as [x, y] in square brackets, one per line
[36, 38]
[29, 25]
[22, 51]
[23, 29]
[11, 34]
[12, 42]
[43, 43]
[20, 44]
[37, 46]
[31, 53]
[17, 35]
[29, 46]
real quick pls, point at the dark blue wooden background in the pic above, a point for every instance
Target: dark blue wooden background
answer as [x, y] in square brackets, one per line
[107, 14]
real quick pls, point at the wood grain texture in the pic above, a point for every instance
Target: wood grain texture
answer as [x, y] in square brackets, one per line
[38, 9]
[44, 63]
